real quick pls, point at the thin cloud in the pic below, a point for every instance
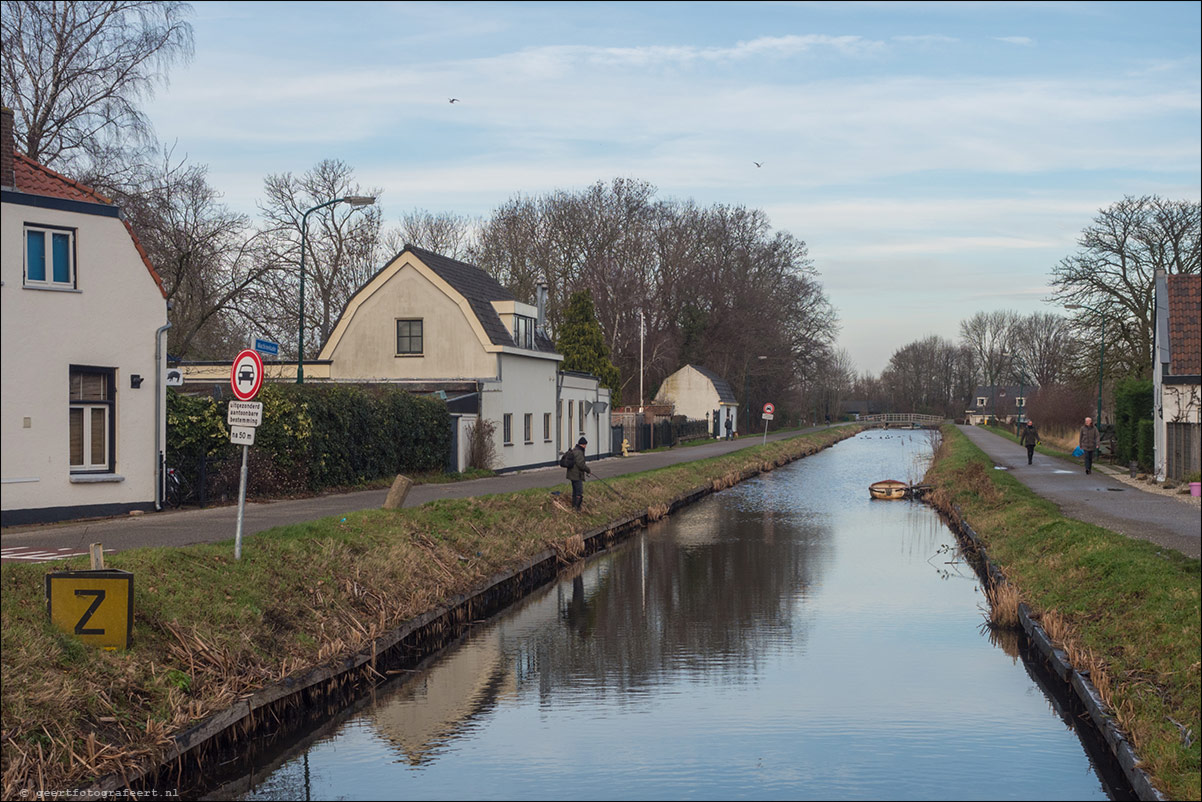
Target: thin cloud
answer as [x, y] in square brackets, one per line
[1023, 41]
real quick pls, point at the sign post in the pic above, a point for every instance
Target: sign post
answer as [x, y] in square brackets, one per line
[246, 377]
[769, 411]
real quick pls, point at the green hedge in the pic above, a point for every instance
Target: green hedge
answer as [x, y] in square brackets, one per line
[1132, 404]
[313, 437]
[1145, 448]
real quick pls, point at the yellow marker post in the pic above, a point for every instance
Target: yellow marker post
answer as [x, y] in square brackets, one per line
[97, 607]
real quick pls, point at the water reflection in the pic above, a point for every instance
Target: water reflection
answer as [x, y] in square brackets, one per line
[786, 638]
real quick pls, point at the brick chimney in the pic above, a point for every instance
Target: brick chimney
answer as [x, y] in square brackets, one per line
[8, 176]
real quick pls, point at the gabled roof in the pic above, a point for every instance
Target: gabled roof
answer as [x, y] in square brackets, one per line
[725, 394]
[1185, 324]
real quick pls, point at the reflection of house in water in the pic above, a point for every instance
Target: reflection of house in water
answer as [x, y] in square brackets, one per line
[437, 702]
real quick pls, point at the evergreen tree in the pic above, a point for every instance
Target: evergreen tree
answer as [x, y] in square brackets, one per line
[583, 344]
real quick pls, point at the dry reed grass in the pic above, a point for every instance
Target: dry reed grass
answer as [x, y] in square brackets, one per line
[1003, 600]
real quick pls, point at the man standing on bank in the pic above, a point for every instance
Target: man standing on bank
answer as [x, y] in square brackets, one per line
[1088, 442]
[576, 473]
[1030, 438]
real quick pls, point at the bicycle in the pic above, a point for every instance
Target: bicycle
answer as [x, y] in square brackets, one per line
[177, 488]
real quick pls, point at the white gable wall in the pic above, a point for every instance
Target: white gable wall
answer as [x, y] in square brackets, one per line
[108, 321]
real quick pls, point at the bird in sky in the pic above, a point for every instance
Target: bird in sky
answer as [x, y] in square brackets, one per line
[758, 164]
[453, 100]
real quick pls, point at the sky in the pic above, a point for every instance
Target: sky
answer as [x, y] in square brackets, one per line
[937, 158]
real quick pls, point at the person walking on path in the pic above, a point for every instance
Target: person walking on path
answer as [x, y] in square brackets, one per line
[728, 425]
[1088, 442]
[1030, 439]
[577, 472]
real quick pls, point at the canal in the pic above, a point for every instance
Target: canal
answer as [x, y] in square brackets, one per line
[788, 638]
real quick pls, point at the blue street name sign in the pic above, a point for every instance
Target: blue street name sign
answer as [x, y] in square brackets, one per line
[267, 347]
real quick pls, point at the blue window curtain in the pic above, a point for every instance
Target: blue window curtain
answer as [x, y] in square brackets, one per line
[62, 259]
[35, 264]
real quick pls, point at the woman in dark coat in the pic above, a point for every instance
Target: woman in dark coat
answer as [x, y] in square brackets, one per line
[1030, 439]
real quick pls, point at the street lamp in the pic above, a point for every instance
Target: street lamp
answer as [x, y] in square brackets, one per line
[1101, 355]
[353, 200]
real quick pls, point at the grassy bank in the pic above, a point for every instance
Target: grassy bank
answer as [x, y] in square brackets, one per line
[209, 629]
[1123, 609]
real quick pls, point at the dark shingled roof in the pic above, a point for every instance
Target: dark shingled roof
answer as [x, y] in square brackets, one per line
[725, 394]
[1185, 327]
[480, 290]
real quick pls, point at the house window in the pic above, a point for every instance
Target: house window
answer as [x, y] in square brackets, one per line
[49, 257]
[90, 419]
[582, 417]
[982, 401]
[547, 427]
[571, 407]
[507, 428]
[528, 428]
[523, 331]
[408, 337]
[1020, 402]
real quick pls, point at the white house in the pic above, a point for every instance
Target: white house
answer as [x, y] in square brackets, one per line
[436, 323]
[82, 316]
[700, 394]
[1177, 375]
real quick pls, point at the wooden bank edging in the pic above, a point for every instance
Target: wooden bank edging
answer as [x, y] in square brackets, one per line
[416, 638]
[1080, 683]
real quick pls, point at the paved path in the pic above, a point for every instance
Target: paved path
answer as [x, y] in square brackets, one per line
[1096, 498]
[183, 527]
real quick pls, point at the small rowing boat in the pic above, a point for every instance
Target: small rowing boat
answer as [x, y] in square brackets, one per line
[888, 488]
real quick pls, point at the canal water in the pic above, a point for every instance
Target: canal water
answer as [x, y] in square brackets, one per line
[788, 638]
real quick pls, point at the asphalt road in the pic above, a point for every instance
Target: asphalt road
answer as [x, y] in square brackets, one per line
[215, 524]
[1096, 498]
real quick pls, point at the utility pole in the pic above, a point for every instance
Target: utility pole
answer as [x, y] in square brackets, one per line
[642, 331]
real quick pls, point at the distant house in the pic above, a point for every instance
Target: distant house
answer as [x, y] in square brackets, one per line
[855, 409]
[435, 323]
[1177, 375]
[83, 316]
[700, 394]
[1007, 403]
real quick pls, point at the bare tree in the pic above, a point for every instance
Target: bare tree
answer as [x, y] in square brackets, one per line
[206, 254]
[75, 72]
[1111, 277]
[444, 233]
[989, 337]
[342, 250]
[1046, 348]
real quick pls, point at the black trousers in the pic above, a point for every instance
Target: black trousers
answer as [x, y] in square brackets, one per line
[577, 492]
[1088, 461]
[1030, 453]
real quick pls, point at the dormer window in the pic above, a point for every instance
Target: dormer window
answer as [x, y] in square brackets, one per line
[523, 332]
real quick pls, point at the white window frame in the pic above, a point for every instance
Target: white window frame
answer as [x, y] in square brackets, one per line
[528, 427]
[546, 427]
[47, 233]
[981, 402]
[507, 428]
[87, 410]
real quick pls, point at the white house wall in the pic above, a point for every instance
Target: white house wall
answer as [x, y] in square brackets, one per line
[527, 386]
[573, 390]
[108, 321]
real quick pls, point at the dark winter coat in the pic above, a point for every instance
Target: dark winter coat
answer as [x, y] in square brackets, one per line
[577, 471]
[1029, 437]
[1089, 438]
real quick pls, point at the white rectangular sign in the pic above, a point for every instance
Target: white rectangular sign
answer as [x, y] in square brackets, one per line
[242, 435]
[768, 416]
[245, 413]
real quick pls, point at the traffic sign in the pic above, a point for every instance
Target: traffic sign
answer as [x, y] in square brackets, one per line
[242, 435]
[769, 409]
[267, 347]
[245, 413]
[95, 606]
[246, 376]
[769, 416]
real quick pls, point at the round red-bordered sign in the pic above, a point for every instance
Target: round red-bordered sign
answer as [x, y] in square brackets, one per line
[769, 409]
[246, 376]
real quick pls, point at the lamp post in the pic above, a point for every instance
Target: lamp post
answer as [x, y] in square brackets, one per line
[353, 200]
[1101, 355]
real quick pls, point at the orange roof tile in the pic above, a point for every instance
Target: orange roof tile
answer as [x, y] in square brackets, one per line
[35, 179]
[1185, 324]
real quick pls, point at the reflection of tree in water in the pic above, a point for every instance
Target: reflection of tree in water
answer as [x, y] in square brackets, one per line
[706, 596]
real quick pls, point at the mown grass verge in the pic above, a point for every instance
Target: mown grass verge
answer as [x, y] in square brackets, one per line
[209, 629]
[1123, 609]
